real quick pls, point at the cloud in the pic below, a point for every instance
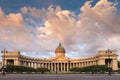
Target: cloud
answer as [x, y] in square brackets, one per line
[24, 10]
[17, 34]
[94, 28]
[9, 20]
[99, 23]
[14, 31]
[93, 24]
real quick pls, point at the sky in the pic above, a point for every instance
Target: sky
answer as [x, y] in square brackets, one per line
[35, 27]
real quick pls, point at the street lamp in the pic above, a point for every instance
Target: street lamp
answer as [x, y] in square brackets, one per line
[4, 51]
[109, 67]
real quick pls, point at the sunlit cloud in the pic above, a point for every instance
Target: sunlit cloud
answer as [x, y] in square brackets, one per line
[94, 28]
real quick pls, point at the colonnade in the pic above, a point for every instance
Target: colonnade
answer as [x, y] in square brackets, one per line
[58, 66]
[61, 65]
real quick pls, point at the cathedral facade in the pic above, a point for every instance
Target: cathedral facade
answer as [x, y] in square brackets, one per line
[61, 63]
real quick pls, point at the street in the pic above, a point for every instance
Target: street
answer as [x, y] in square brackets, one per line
[60, 77]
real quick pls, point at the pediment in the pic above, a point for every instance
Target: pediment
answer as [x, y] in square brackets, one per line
[60, 59]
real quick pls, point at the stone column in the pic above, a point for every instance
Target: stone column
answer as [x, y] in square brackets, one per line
[41, 65]
[89, 63]
[73, 64]
[28, 64]
[47, 65]
[15, 62]
[55, 67]
[38, 65]
[51, 66]
[93, 62]
[34, 65]
[77, 64]
[96, 62]
[25, 63]
[70, 66]
[67, 67]
[101, 62]
[83, 64]
[115, 64]
[80, 64]
[44, 65]
[61, 67]
[58, 67]
[31, 64]
[64, 66]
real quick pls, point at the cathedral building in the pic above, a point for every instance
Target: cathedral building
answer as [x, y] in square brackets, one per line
[61, 63]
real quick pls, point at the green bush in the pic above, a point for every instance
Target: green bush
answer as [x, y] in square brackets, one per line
[95, 68]
[42, 70]
[19, 69]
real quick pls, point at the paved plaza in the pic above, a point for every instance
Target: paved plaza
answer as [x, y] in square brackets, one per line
[59, 77]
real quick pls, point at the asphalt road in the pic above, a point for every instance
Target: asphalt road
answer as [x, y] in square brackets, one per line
[59, 77]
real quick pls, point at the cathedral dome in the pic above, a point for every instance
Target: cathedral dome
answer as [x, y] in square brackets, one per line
[60, 49]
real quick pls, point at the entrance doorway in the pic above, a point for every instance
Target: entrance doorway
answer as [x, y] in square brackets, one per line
[108, 62]
[10, 62]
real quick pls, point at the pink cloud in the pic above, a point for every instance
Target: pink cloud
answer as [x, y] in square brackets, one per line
[11, 20]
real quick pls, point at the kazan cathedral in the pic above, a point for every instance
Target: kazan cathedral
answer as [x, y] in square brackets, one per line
[60, 63]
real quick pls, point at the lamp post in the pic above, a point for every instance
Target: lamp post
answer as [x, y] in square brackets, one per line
[4, 51]
[109, 67]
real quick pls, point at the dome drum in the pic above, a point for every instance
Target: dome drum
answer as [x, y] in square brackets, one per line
[60, 51]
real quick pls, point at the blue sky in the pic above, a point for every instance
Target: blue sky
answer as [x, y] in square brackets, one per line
[35, 27]
[15, 5]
